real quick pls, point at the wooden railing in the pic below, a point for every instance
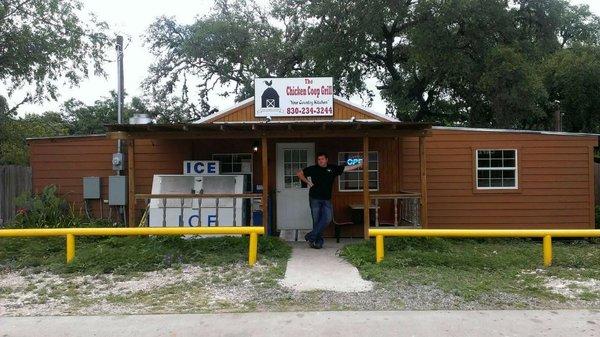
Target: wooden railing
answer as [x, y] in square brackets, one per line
[406, 208]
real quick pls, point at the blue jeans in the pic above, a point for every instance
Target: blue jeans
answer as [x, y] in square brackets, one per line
[322, 213]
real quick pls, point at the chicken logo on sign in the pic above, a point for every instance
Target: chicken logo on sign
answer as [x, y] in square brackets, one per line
[270, 97]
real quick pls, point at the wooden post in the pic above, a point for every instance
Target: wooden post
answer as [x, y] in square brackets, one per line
[131, 219]
[366, 196]
[265, 183]
[423, 175]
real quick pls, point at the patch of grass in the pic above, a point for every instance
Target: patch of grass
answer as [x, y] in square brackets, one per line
[471, 267]
[589, 296]
[157, 298]
[125, 255]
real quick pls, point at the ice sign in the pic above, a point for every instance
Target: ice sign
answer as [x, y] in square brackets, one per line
[201, 167]
[354, 161]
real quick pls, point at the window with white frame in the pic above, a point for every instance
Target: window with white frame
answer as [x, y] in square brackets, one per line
[293, 160]
[353, 181]
[497, 169]
[236, 163]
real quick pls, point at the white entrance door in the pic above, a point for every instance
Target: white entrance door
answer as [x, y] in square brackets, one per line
[293, 211]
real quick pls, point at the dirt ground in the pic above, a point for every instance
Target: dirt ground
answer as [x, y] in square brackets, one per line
[239, 288]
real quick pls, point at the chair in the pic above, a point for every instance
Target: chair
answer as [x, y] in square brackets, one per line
[337, 225]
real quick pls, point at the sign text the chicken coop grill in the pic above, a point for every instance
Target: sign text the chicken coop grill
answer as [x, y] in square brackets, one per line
[278, 97]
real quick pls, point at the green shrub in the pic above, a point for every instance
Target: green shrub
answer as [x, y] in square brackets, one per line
[47, 210]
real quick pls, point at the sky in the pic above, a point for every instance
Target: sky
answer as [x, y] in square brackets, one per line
[131, 18]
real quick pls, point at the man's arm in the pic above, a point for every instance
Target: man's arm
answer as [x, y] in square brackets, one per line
[302, 177]
[349, 168]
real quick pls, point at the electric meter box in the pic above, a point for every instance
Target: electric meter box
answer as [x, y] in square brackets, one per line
[117, 161]
[117, 190]
[91, 187]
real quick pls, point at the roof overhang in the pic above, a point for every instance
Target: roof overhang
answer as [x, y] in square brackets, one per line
[94, 135]
[533, 132]
[298, 129]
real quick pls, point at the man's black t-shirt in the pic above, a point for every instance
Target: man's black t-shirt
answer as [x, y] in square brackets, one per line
[322, 179]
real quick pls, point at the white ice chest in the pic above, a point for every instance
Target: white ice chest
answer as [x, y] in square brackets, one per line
[187, 184]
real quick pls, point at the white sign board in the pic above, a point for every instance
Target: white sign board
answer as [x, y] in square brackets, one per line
[201, 167]
[286, 97]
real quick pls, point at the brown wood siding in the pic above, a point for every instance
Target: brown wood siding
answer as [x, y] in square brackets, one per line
[556, 185]
[157, 157]
[341, 111]
[65, 161]
[554, 189]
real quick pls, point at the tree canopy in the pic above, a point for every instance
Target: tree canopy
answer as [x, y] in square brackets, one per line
[74, 118]
[45, 44]
[14, 131]
[455, 62]
[493, 63]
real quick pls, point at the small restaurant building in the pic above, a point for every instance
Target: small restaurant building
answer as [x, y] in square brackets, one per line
[416, 174]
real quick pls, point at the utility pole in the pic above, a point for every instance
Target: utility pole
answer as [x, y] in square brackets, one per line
[120, 90]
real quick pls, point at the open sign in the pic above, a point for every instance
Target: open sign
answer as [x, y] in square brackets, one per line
[201, 167]
[354, 161]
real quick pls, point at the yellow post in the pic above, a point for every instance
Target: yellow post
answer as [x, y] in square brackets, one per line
[252, 249]
[70, 247]
[379, 248]
[547, 247]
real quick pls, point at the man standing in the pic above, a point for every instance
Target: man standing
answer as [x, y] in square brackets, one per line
[321, 181]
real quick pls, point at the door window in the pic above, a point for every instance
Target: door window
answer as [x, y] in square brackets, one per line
[293, 160]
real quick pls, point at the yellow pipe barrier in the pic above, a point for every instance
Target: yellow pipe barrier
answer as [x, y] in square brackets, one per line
[252, 250]
[70, 234]
[547, 249]
[70, 247]
[546, 234]
[379, 248]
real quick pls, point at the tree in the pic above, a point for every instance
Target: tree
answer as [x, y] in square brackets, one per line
[484, 60]
[572, 77]
[75, 118]
[83, 119]
[45, 44]
[229, 47]
[15, 131]
[457, 62]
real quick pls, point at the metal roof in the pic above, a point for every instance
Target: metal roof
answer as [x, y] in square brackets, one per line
[271, 125]
[312, 123]
[66, 136]
[330, 128]
[539, 132]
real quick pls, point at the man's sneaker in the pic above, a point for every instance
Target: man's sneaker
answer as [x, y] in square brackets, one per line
[314, 245]
[306, 237]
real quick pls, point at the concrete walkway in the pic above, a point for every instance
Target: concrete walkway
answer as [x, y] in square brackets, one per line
[579, 323]
[322, 269]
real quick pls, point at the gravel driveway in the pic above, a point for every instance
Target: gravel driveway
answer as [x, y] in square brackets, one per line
[235, 288]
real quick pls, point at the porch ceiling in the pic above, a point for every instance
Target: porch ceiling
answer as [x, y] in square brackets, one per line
[273, 129]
